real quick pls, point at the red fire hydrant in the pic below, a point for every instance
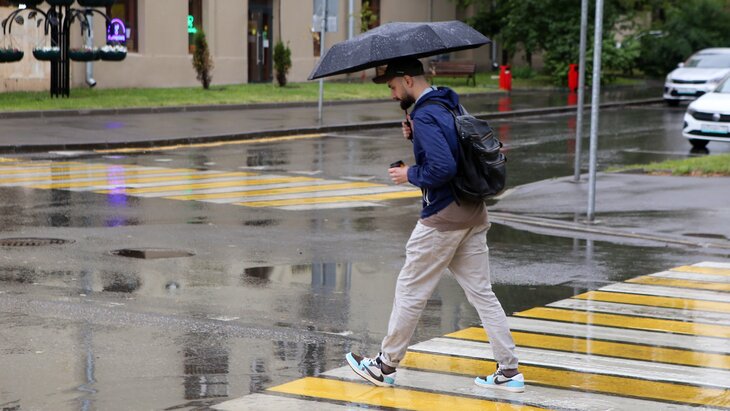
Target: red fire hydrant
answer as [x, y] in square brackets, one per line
[573, 77]
[505, 78]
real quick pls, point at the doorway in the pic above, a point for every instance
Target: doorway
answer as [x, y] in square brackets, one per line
[260, 21]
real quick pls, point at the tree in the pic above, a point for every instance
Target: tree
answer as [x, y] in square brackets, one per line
[282, 62]
[681, 28]
[202, 62]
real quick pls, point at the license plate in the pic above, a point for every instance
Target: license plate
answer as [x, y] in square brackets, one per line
[712, 128]
[682, 90]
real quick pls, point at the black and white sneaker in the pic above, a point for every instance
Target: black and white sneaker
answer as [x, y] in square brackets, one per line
[370, 369]
[515, 383]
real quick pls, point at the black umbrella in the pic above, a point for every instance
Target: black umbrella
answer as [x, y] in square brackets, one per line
[389, 41]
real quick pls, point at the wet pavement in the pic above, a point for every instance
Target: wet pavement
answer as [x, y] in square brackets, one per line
[605, 349]
[272, 294]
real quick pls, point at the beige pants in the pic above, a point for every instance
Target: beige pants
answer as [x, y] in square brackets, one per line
[429, 253]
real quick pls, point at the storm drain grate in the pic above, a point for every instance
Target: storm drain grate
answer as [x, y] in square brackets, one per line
[148, 253]
[32, 242]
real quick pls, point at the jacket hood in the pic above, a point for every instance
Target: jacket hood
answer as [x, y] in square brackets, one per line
[442, 94]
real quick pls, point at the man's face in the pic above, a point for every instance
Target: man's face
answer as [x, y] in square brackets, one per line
[399, 92]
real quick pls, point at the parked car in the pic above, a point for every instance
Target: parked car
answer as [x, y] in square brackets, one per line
[698, 75]
[708, 118]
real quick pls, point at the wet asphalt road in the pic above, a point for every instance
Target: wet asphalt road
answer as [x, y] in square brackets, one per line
[270, 295]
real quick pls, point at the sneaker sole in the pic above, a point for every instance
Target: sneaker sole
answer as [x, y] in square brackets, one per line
[499, 387]
[351, 362]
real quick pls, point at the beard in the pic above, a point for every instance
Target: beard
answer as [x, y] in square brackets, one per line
[407, 102]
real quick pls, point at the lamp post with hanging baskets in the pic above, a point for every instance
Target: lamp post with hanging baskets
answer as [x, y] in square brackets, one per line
[57, 22]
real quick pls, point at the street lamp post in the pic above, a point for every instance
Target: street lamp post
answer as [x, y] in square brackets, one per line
[58, 20]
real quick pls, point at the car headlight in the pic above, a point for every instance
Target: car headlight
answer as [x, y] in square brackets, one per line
[715, 80]
[668, 79]
[691, 111]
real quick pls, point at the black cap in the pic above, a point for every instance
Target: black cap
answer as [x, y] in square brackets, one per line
[406, 66]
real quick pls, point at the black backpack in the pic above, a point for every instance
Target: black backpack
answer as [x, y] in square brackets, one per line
[482, 168]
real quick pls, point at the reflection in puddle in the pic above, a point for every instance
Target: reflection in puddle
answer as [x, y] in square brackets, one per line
[205, 366]
[120, 282]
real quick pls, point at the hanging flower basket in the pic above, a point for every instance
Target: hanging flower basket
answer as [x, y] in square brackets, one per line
[113, 53]
[60, 2]
[29, 3]
[95, 3]
[84, 54]
[47, 53]
[11, 55]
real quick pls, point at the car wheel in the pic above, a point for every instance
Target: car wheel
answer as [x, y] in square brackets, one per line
[672, 103]
[698, 143]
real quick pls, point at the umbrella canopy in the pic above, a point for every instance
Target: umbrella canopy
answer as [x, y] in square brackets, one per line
[389, 41]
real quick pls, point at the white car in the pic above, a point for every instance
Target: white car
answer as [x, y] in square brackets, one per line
[708, 118]
[700, 74]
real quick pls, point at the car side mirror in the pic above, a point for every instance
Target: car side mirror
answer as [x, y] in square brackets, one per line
[680, 65]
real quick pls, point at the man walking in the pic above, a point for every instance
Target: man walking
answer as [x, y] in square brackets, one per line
[448, 234]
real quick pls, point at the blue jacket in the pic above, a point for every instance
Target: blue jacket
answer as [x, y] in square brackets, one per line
[435, 149]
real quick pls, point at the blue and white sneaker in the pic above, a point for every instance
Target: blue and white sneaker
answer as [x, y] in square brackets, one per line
[370, 369]
[498, 380]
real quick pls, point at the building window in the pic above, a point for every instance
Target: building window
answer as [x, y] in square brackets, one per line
[126, 10]
[195, 22]
[370, 14]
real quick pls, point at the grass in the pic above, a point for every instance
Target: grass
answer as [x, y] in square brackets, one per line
[715, 165]
[355, 89]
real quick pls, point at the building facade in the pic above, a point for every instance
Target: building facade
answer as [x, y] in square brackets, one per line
[241, 36]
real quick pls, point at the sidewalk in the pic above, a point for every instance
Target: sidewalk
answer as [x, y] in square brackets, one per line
[90, 129]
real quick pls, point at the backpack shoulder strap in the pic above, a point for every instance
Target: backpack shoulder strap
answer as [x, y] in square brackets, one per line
[433, 102]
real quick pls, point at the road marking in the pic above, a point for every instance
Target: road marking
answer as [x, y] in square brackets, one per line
[666, 291]
[623, 335]
[604, 348]
[624, 321]
[682, 275]
[703, 270]
[235, 195]
[711, 264]
[700, 285]
[240, 188]
[668, 302]
[271, 402]
[643, 311]
[371, 197]
[574, 380]
[588, 364]
[534, 395]
[214, 144]
[396, 398]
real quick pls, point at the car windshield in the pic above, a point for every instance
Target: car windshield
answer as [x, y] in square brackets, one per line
[724, 87]
[709, 61]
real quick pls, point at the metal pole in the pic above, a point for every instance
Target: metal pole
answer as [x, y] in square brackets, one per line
[351, 19]
[595, 102]
[321, 54]
[581, 88]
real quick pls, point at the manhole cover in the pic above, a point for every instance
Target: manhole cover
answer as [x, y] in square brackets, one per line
[32, 242]
[148, 253]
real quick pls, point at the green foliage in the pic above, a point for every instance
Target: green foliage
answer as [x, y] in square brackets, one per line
[523, 72]
[686, 27]
[367, 17]
[202, 62]
[282, 62]
[715, 165]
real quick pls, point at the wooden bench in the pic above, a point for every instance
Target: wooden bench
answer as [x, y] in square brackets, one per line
[454, 69]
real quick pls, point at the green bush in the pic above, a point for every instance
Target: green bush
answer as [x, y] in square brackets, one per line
[202, 62]
[282, 62]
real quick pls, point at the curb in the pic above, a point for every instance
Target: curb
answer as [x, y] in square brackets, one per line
[28, 148]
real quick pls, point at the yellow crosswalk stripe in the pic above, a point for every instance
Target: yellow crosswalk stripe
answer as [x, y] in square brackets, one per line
[702, 270]
[396, 398]
[8, 160]
[605, 348]
[571, 380]
[701, 285]
[140, 180]
[54, 168]
[218, 184]
[614, 320]
[112, 171]
[334, 199]
[215, 144]
[275, 191]
[654, 301]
